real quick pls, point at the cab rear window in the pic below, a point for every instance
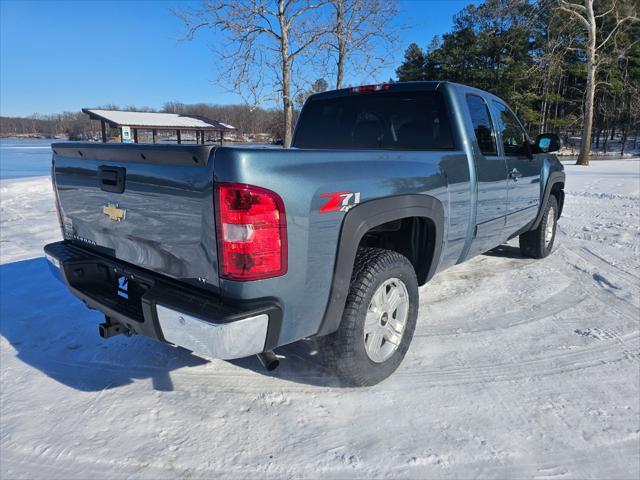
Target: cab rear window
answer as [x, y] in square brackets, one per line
[386, 120]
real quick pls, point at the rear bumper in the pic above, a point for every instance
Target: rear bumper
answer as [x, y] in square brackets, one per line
[164, 309]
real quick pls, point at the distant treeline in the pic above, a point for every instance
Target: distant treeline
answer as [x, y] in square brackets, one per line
[77, 126]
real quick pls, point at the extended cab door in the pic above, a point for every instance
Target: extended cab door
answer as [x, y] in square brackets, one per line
[491, 174]
[523, 195]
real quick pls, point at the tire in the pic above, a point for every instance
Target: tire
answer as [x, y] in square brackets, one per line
[537, 243]
[347, 352]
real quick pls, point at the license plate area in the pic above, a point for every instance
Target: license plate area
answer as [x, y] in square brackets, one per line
[118, 289]
[127, 288]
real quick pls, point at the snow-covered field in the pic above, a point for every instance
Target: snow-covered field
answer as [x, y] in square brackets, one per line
[518, 369]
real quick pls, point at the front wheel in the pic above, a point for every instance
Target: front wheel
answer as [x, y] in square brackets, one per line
[378, 321]
[538, 243]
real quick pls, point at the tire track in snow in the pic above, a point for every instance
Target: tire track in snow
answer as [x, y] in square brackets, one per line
[553, 305]
[579, 358]
[576, 292]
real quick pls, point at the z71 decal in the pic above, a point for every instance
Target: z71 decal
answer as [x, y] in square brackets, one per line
[340, 201]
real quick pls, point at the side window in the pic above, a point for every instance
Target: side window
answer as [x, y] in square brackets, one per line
[482, 125]
[513, 137]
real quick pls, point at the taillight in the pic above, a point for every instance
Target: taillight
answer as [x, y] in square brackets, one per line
[381, 87]
[252, 232]
[55, 195]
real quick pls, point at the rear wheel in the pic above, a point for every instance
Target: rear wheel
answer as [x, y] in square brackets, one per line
[538, 243]
[378, 321]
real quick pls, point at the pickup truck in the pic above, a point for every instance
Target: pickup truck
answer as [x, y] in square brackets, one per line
[235, 251]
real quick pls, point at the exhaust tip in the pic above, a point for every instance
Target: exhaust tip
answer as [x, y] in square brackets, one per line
[269, 360]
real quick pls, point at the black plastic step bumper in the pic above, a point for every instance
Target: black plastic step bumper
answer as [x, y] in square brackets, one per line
[165, 309]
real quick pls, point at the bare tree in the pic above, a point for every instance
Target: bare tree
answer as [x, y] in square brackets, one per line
[623, 12]
[361, 31]
[258, 41]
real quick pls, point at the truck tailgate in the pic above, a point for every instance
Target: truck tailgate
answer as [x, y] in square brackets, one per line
[148, 205]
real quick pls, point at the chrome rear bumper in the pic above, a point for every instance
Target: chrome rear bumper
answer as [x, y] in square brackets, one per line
[217, 340]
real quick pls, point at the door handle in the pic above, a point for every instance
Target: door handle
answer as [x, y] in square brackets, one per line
[515, 174]
[111, 179]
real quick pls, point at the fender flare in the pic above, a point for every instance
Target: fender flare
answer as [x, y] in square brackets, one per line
[554, 177]
[358, 221]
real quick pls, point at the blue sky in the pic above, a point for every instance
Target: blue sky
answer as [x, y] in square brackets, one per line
[60, 56]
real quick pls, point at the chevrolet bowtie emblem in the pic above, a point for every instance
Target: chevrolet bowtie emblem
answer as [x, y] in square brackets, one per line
[114, 212]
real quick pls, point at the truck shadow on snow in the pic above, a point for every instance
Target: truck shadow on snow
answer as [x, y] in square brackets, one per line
[52, 331]
[505, 251]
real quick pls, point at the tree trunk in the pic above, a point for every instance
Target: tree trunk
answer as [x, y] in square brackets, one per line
[287, 105]
[587, 126]
[555, 115]
[544, 115]
[341, 43]
[288, 109]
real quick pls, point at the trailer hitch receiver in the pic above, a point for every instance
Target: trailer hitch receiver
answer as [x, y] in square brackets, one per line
[109, 329]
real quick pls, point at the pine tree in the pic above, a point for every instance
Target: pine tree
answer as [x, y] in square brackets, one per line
[413, 67]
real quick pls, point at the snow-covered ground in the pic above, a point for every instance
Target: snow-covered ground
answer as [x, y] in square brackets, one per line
[606, 149]
[518, 369]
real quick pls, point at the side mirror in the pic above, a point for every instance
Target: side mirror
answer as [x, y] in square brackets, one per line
[548, 142]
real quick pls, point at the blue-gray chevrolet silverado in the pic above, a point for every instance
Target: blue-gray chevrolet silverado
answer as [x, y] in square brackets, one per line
[234, 251]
